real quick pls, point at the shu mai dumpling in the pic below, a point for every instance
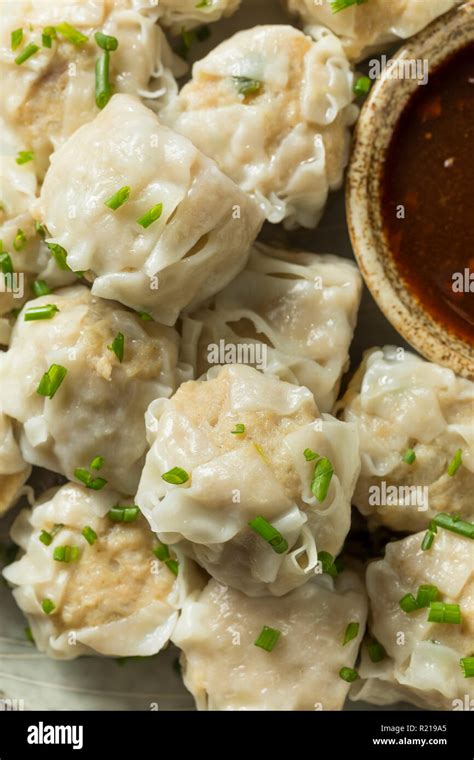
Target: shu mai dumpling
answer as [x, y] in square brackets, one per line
[273, 107]
[53, 92]
[181, 14]
[98, 408]
[181, 232]
[225, 670]
[247, 446]
[109, 594]
[13, 469]
[18, 183]
[415, 422]
[290, 314]
[424, 661]
[369, 26]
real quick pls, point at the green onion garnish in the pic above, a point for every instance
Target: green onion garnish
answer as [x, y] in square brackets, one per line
[89, 534]
[49, 34]
[103, 89]
[59, 255]
[161, 552]
[267, 638]
[97, 463]
[40, 229]
[123, 514]
[66, 553]
[428, 539]
[71, 34]
[351, 633]
[28, 51]
[440, 612]
[362, 86]
[48, 606]
[145, 316]
[426, 594]
[376, 651]
[176, 476]
[348, 674]
[6, 264]
[29, 634]
[46, 537]
[151, 216]
[322, 475]
[239, 429]
[40, 288]
[455, 463]
[119, 198]
[467, 666]
[246, 86]
[310, 455]
[85, 477]
[16, 38]
[408, 603]
[269, 534]
[106, 41]
[409, 456]
[51, 381]
[454, 524]
[172, 565]
[187, 38]
[341, 5]
[328, 565]
[35, 313]
[24, 156]
[118, 346]
[204, 4]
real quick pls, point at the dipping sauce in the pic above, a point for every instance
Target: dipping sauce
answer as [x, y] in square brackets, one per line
[429, 178]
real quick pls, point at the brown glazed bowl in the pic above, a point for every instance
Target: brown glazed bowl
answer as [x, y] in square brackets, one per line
[374, 130]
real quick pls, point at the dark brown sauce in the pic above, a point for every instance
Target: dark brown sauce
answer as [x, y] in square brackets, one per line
[430, 171]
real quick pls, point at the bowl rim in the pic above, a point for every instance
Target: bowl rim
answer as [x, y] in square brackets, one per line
[379, 115]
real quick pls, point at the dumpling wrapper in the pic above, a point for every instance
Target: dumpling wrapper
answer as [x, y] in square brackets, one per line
[197, 246]
[235, 478]
[14, 472]
[224, 670]
[369, 27]
[290, 314]
[18, 183]
[273, 108]
[117, 599]
[399, 401]
[423, 659]
[186, 14]
[51, 94]
[99, 408]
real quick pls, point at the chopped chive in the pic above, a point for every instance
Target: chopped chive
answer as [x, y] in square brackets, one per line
[24, 156]
[321, 480]
[145, 316]
[376, 651]
[176, 476]
[89, 534]
[6, 265]
[310, 455]
[16, 38]
[106, 41]
[29, 634]
[103, 89]
[426, 594]
[351, 633]
[454, 524]
[341, 5]
[119, 198]
[97, 463]
[40, 288]
[269, 534]
[455, 463]
[46, 538]
[60, 256]
[362, 86]
[348, 674]
[26, 53]
[35, 313]
[118, 346]
[246, 86]
[48, 606]
[40, 229]
[51, 381]
[66, 554]
[172, 565]
[49, 34]
[239, 429]
[267, 638]
[204, 4]
[409, 456]
[440, 612]
[161, 552]
[123, 514]
[428, 539]
[71, 34]
[187, 39]
[151, 216]
[467, 666]
[328, 565]
[408, 603]
[84, 477]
